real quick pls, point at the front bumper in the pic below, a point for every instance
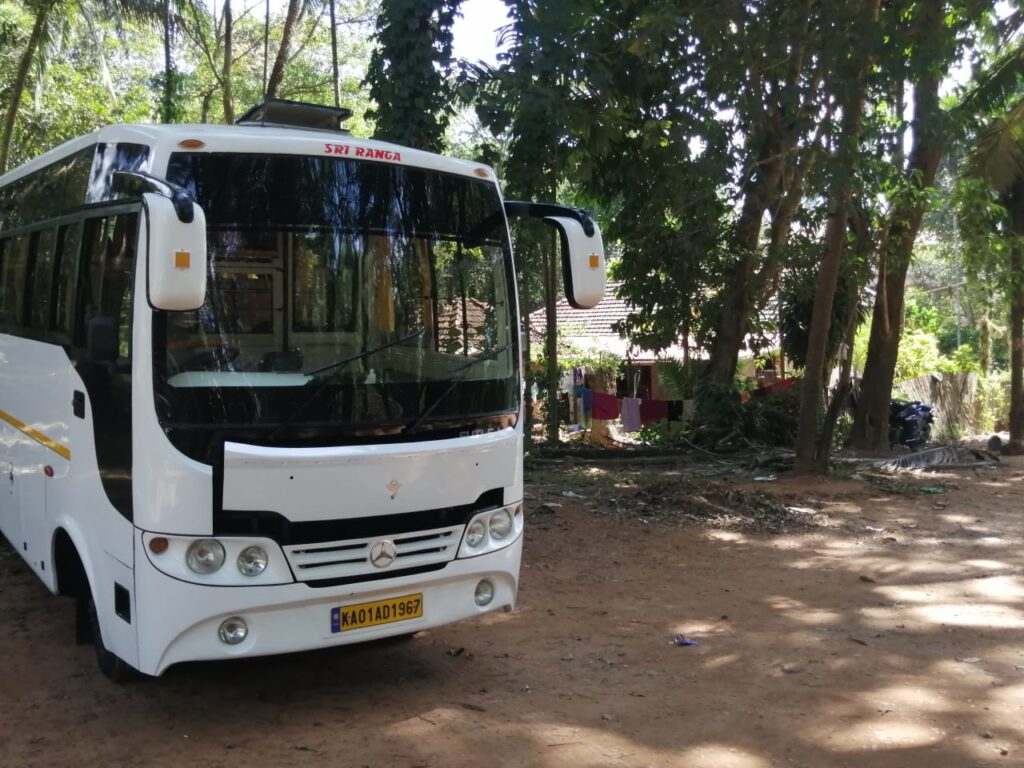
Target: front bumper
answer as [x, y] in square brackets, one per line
[178, 621]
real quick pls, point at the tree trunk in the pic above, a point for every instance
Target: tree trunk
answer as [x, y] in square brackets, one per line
[762, 189]
[20, 80]
[284, 51]
[871, 417]
[229, 99]
[810, 454]
[168, 65]
[334, 54]
[551, 336]
[1016, 445]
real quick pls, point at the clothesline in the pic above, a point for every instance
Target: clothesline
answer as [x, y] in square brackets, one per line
[635, 411]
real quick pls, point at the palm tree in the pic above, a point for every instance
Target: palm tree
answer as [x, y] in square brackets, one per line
[47, 14]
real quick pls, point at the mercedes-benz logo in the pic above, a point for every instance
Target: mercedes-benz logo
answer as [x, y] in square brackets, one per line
[383, 553]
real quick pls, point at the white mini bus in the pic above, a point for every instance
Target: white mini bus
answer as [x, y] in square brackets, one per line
[260, 385]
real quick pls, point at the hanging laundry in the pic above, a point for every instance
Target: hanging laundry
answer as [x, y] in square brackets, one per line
[653, 410]
[587, 396]
[606, 407]
[631, 414]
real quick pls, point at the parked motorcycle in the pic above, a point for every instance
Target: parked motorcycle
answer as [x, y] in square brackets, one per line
[910, 423]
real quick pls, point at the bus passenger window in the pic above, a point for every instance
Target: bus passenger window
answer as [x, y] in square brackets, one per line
[69, 241]
[40, 292]
[12, 281]
[108, 274]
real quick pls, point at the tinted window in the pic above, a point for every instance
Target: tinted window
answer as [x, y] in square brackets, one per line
[110, 158]
[69, 242]
[13, 265]
[41, 279]
[64, 186]
[107, 279]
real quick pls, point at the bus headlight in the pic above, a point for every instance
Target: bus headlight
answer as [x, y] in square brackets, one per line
[492, 530]
[476, 533]
[205, 556]
[252, 561]
[500, 524]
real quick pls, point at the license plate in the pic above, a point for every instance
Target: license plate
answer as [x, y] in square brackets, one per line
[361, 615]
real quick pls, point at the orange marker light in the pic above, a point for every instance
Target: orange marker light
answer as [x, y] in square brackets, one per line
[595, 261]
[182, 259]
[481, 172]
[158, 545]
[191, 144]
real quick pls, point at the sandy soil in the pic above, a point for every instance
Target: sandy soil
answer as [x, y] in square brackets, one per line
[891, 635]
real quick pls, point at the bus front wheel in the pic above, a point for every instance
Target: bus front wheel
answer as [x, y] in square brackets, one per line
[111, 665]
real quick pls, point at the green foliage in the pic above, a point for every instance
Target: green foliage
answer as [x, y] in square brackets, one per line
[796, 303]
[409, 71]
[657, 433]
[921, 317]
[993, 400]
[71, 94]
[964, 360]
[718, 405]
[919, 354]
[773, 419]
[678, 381]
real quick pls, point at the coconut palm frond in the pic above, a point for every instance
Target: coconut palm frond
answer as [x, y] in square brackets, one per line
[133, 10]
[994, 87]
[998, 156]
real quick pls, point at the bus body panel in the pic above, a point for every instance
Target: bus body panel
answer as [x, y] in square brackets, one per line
[172, 493]
[92, 532]
[36, 410]
[179, 621]
[359, 481]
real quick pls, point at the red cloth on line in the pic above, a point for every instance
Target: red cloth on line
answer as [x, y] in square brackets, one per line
[653, 410]
[606, 407]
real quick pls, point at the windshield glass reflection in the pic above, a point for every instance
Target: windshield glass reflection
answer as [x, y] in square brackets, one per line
[342, 296]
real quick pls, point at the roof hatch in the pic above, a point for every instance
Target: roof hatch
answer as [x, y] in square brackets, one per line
[296, 114]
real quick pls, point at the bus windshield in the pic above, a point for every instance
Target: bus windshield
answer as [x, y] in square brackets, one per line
[344, 298]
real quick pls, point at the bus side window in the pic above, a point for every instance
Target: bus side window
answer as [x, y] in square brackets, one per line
[69, 242]
[109, 257]
[40, 280]
[12, 282]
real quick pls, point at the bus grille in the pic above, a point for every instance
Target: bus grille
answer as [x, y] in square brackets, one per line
[351, 558]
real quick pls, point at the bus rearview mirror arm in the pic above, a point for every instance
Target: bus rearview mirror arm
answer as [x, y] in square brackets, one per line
[138, 182]
[525, 210]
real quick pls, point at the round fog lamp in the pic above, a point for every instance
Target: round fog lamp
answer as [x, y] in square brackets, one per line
[484, 593]
[233, 630]
[205, 556]
[476, 533]
[501, 524]
[252, 561]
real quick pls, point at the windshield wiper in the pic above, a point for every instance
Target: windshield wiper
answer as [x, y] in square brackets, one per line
[334, 367]
[365, 353]
[437, 401]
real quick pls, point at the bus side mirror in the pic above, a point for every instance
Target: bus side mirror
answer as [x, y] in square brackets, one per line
[583, 265]
[176, 255]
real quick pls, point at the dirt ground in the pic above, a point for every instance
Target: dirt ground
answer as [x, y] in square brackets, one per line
[881, 624]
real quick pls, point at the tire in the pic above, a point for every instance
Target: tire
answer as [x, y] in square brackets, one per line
[112, 666]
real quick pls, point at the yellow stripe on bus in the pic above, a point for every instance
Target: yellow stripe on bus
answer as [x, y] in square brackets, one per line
[39, 437]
